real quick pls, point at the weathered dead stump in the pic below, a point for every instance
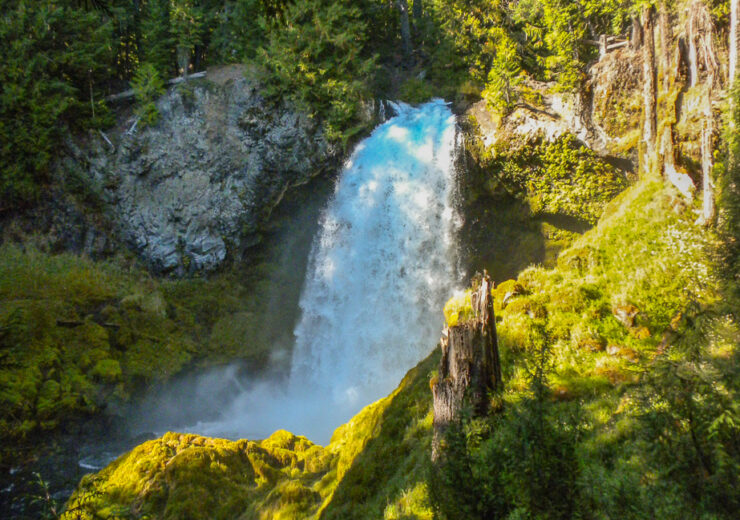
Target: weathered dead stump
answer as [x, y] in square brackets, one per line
[470, 368]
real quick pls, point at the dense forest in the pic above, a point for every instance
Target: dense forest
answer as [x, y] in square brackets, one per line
[618, 390]
[66, 58]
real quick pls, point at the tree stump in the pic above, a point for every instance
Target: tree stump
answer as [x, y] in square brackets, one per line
[470, 367]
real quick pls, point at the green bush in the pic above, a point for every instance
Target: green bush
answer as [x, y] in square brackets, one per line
[148, 87]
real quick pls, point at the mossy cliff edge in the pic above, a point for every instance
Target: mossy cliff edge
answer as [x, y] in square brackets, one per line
[618, 310]
[370, 462]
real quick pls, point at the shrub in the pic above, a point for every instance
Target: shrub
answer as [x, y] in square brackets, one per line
[148, 87]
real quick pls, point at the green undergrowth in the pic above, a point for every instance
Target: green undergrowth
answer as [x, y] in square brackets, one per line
[77, 336]
[527, 201]
[620, 370]
[374, 466]
[614, 294]
[619, 401]
[561, 177]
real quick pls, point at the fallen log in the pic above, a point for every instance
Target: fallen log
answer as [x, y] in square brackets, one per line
[130, 92]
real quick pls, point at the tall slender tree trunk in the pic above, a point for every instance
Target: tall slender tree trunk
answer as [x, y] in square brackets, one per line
[418, 11]
[693, 51]
[733, 41]
[649, 88]
[666, 45]
[403, 10]
[668, 108]
[636, 34]
[707, 164]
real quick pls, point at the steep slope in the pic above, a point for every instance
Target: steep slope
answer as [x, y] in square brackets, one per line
[618, 306]
[371, 462]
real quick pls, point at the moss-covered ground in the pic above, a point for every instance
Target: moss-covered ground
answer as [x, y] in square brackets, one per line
[77, 335]
[624, 354]
[375, 465]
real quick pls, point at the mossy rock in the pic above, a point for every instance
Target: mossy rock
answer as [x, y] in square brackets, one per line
[580, 259]
[528, 306]
[373, 458]
[107, 371]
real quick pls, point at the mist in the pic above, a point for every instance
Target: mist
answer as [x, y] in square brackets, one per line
[382, 264]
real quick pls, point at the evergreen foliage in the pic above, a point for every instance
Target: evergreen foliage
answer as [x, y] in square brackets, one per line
[319, 59]
[148, 86]
[55, 59]
[157, 39]
[240, 30]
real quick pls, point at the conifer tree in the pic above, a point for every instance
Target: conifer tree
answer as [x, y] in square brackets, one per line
[158, 44]
[55, 58]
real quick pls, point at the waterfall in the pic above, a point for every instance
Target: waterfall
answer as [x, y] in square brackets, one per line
[381, 268]
[382, 263]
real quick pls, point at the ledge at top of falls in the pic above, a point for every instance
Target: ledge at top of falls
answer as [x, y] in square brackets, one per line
[201, 183]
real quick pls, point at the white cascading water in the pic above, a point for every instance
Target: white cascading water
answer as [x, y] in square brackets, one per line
[381, 268]
[383, 261]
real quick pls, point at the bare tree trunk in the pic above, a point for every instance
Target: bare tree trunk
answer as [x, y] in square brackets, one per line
[666, 44]
[403, 10]
[707, 164]
[693, 54]
[701, 47]
[469, 368]
[418, 10]
[679, 178]
[669, 73]
[668, 110]
[636, 34]
[733, 41]
[649, 87]
[701, 41]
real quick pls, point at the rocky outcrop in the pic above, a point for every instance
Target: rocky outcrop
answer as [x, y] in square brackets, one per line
[201, 183]
[470, 367]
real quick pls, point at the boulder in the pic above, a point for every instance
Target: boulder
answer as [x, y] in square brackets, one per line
[201, 183]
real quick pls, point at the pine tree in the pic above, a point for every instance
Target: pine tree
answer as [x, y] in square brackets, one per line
[56, 57]
[157, 41]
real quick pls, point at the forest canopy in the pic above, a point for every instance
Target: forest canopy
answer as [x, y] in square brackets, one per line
[65, 56]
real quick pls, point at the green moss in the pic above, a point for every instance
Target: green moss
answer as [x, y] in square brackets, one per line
[378, 457]
[504, 292]
[107, 371]
[81, 325]
[643, 252]
[458, 309]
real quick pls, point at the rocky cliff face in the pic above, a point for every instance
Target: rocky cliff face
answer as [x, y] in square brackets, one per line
[200, 184]
[604, 118]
